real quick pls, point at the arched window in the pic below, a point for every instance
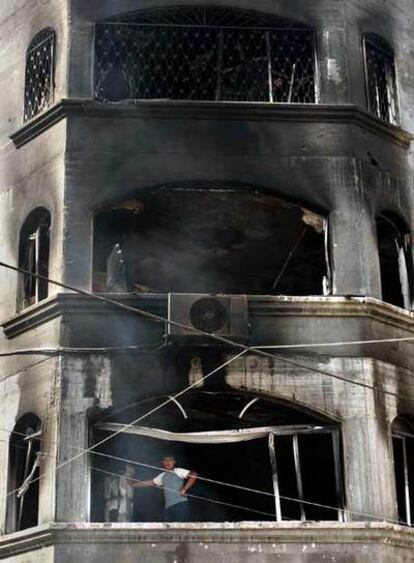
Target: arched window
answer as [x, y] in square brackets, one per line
[190, 239]
[227, 437]
[380, 78]
[395, 256]
[23, 485]
[34, 258]
[205, 53]
[39, 85]
[403, 449]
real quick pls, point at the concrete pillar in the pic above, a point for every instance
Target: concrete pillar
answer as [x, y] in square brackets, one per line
[72, 491]
[81, 62]
[369, 477]
[77, 243]
[355, 262]
[85, 383]
[332, 64]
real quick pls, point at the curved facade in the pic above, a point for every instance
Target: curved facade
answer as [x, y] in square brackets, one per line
[234, 183]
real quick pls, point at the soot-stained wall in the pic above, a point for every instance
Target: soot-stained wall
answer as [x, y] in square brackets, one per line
[331, 158]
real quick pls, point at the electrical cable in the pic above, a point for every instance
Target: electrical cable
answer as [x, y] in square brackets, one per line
[213, 336]
[140, 348]
[206, 479]
[191, 495]
[158, 318]
[97, 469]
[134, 422]
[64, 350]
[289, 257]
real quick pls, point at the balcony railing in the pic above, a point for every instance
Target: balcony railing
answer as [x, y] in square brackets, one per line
[171, 59]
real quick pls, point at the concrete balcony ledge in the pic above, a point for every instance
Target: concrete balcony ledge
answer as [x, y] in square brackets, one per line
[70, 305]
[210, 110]
[253, 538]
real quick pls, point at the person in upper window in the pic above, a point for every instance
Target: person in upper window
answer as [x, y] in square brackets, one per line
[175, 482]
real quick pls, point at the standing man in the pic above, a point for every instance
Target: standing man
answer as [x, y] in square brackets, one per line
[175, 482]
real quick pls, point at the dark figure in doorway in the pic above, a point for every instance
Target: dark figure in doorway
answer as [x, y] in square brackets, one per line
[175, 482]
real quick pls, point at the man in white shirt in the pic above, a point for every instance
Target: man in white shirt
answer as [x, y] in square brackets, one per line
[175, 482]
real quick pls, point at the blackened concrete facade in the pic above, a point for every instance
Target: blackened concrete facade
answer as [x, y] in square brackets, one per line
[332, 157]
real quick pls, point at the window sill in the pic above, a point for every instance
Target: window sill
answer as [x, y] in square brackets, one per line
[276, 535]
[175, 109]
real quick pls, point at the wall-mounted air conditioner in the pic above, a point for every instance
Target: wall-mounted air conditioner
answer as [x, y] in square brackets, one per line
[223, 315]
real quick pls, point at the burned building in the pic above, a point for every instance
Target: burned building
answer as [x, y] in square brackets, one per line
[206, 250]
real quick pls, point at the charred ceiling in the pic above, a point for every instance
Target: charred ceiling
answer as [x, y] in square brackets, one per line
[209, 241]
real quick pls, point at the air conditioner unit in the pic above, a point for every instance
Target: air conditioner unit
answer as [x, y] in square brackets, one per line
[223, 315]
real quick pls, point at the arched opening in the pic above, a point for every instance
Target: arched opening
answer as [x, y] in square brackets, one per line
[39, 83]
[380, 78]
[395, 257]
[34, 258]
[403, 449]
[205, 53]
[23, 485]
[257, 459]
[199, 240]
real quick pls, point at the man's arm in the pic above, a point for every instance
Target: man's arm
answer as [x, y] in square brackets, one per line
[191, 479]
[156, 482]
[139, 484]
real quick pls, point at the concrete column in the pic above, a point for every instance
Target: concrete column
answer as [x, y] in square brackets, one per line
[77, 242]
[85, 383]
[81, 60]
[332, 64]
[369, 477]
[355, 263]
[72, 494]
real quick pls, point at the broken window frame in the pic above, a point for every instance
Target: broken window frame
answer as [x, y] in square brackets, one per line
[295, 432]
[272, 433]
[28, 432]
[34, 251]
[233, 20]
[403, 431]
[40, 59]
[384, 53]
[327, 281]
[404, 258]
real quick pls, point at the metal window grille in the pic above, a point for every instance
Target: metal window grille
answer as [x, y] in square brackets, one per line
[205, 54]
[39, 84]
[381, 81]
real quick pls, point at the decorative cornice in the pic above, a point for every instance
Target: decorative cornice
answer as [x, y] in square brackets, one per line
[246, 111]
[234, 533]
[341, 307]
[64, 304]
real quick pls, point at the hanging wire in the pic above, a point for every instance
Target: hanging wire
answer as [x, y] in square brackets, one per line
[159, 318]
[205, 479]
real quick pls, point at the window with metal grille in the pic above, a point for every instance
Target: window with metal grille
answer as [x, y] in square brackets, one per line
[380, 78]
[34, 258]
[197, 53]
[39, 86]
